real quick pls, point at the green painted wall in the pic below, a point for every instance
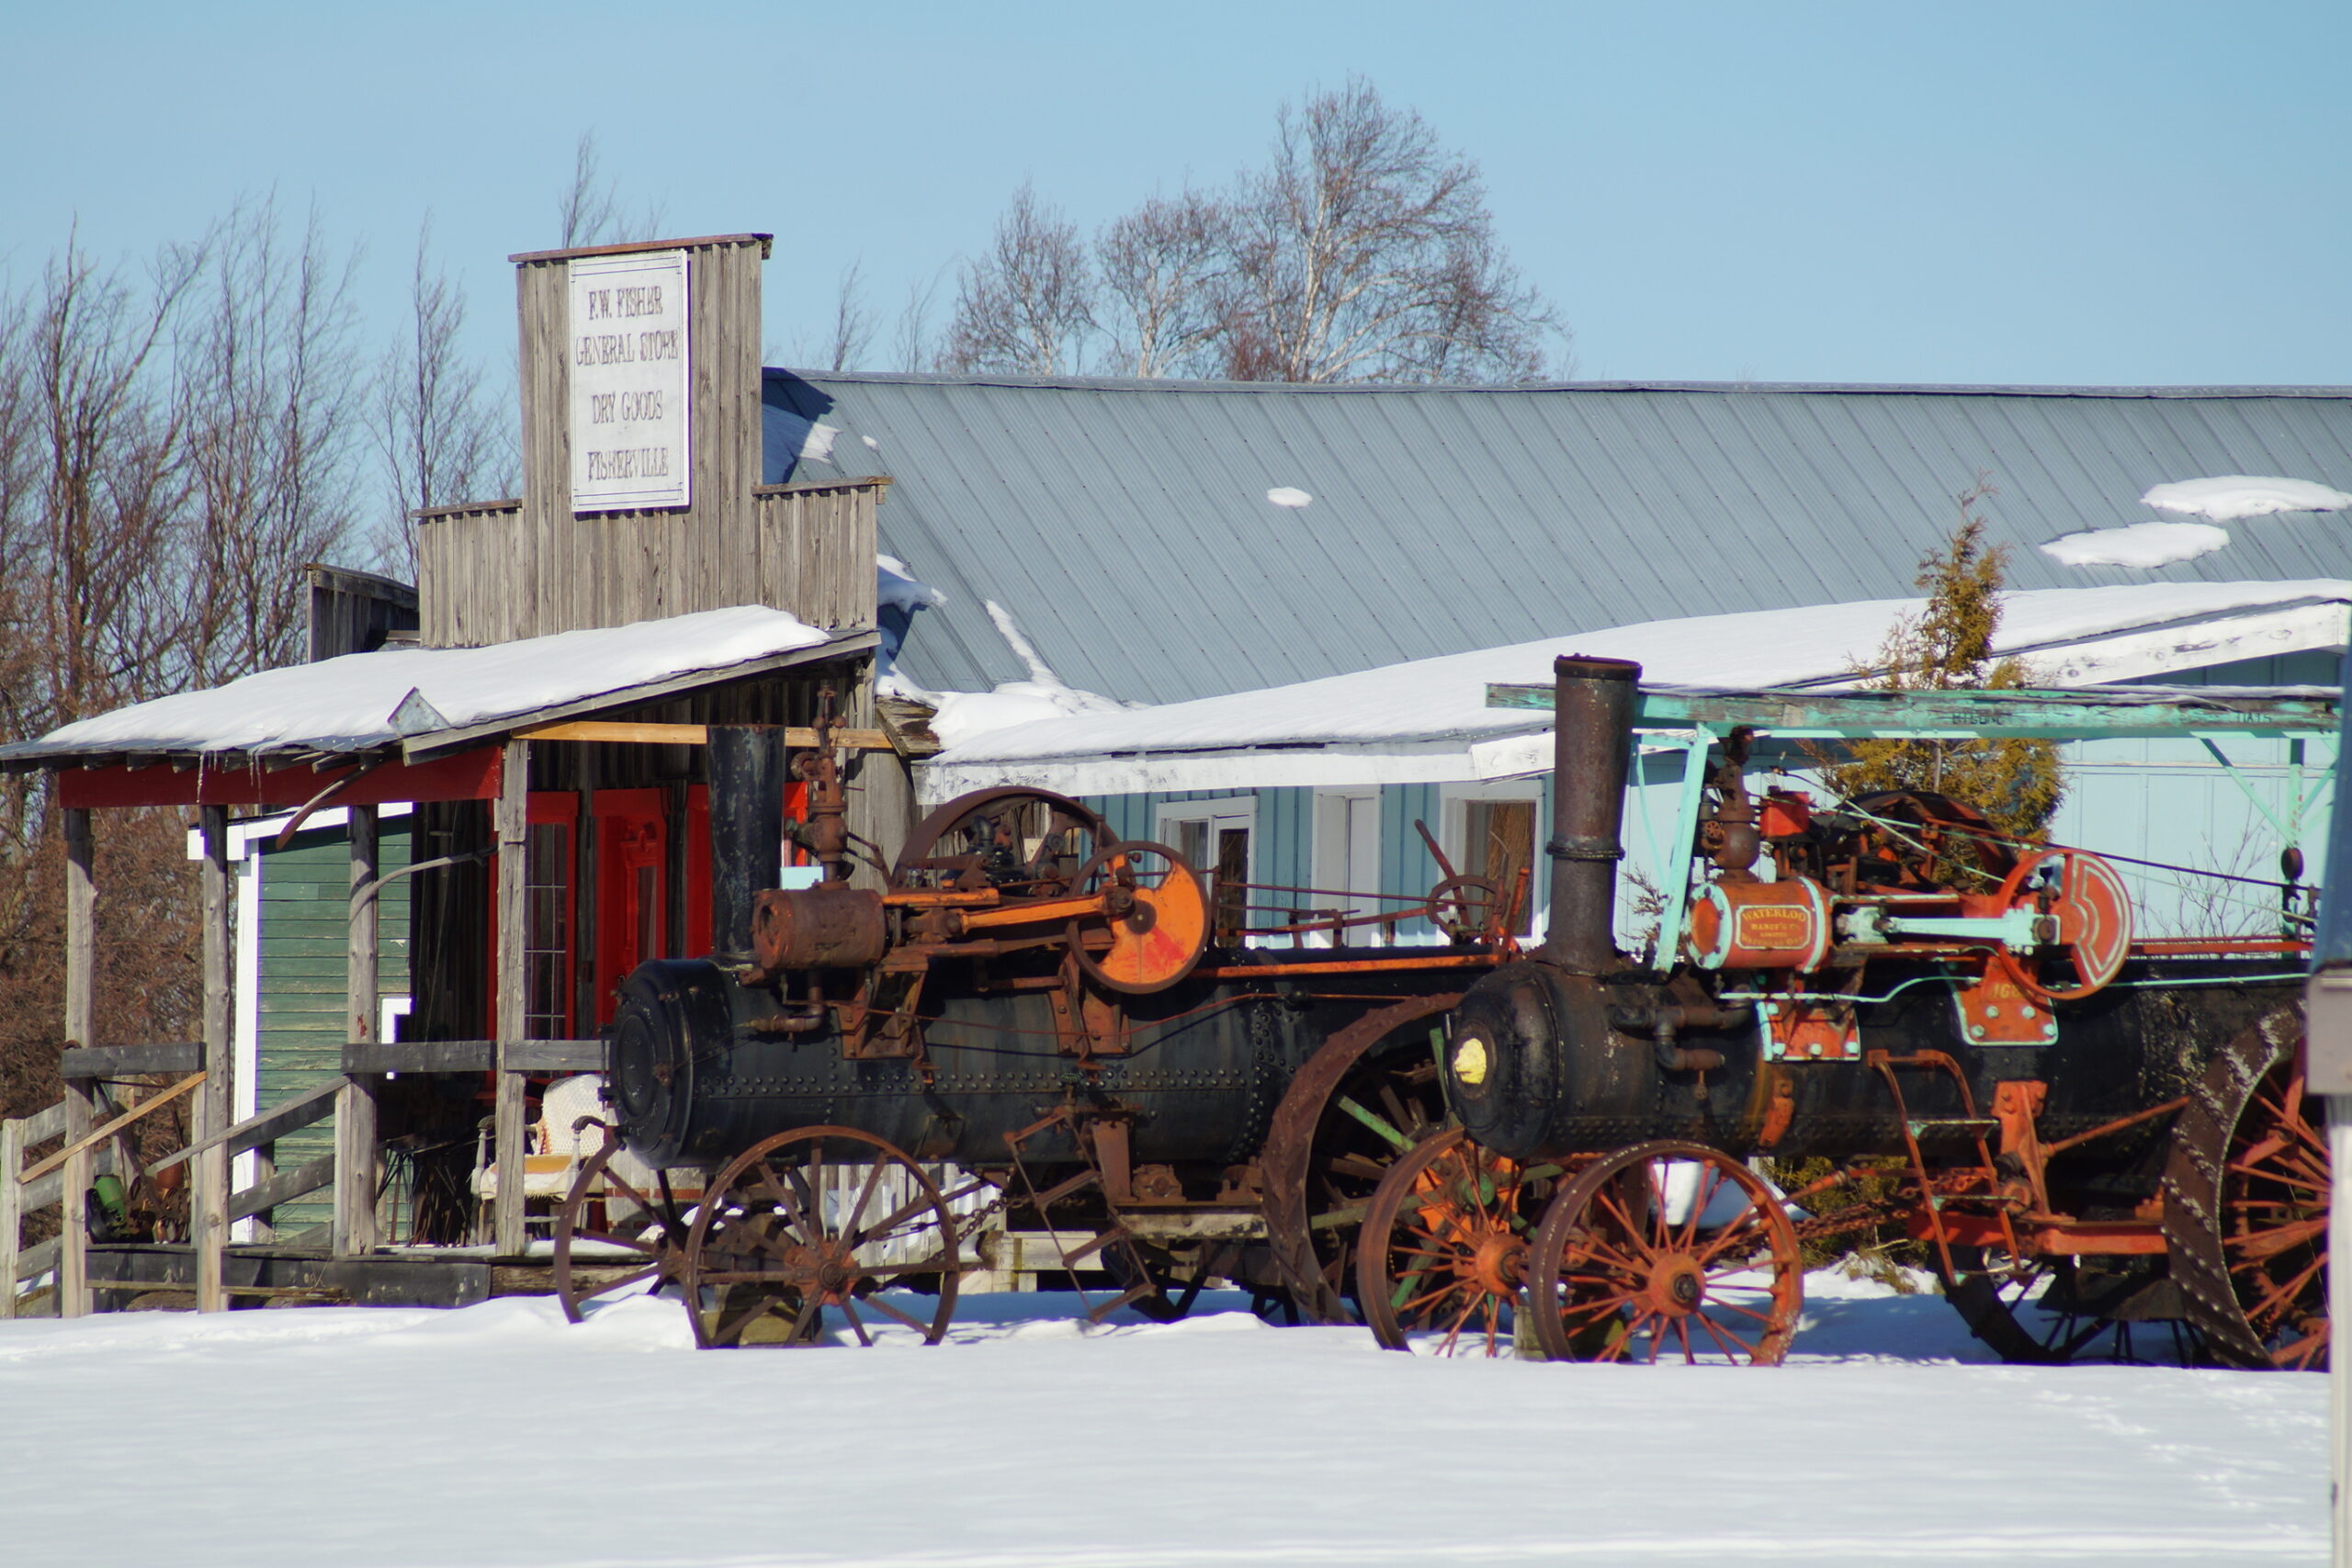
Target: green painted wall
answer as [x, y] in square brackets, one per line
[305, 904]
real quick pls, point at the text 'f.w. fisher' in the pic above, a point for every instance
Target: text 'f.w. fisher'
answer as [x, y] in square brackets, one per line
[629, 381]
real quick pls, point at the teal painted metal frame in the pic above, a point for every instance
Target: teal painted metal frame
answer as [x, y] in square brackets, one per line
[1702, 718]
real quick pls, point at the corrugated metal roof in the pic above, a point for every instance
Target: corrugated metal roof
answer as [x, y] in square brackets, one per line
[1125, 525]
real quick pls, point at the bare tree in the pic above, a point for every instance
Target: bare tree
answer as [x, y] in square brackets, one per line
[844, 344]
[589, 208]
[911, 345]
[439, 440]
[1026, 305]
[1164, 267]
[1364, 251]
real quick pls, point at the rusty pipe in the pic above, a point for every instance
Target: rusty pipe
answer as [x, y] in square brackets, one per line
[1592, 744]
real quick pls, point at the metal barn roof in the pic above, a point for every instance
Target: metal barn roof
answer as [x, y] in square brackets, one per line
[1126, 526]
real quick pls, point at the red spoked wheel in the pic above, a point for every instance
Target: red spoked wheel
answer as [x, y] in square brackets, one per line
[813, 1225]
[1444, 1245]
[1666, 1248]
[2093, 909]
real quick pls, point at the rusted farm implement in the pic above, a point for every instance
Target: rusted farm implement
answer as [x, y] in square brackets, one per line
[2090, 1134]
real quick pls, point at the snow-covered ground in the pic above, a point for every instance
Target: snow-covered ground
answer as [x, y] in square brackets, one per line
[499, 1435]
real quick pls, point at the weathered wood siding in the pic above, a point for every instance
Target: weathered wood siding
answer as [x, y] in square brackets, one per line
[494, 572]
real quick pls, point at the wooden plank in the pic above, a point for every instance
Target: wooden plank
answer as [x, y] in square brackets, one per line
[283, 1188]
[80, 1029]
[99, 1134]
[625, 734]
[474, 1056]
[35, 1261]
[215, 1108]
[12, 1162]
[125, 1061]
[511, 995]
[354, 1159]
[266, 1128]
[762, 241]
[44, 1125]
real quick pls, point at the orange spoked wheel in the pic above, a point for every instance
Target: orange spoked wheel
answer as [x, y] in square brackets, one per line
[804, 1233]
[1665, 1249]
[1444, 1246]
[1154, 922]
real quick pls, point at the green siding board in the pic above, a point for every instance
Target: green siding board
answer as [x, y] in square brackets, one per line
[305, 890]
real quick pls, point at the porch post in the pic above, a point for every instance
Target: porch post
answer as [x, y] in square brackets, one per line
[355, 1102]
[216, 1103]
[80, 1029]
[509, 988]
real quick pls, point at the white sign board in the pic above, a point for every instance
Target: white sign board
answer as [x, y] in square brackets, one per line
[629, 381]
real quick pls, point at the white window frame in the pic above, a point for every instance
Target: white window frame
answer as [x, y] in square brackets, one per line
[1453, 807]
[1226, 811]
[1338, 865]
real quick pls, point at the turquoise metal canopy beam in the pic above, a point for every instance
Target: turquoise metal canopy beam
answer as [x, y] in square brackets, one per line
[1959, 714]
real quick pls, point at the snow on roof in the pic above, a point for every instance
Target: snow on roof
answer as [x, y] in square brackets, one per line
[1427, 717]
[2228, 497]
[2137, 544]
[364, 701]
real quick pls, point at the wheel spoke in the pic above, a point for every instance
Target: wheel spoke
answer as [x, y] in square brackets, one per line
[909, 1319]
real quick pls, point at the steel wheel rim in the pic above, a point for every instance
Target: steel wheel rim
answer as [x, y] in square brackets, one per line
[663, 1255]
[1615, 1277]
[1444, 1247]
[770, 1244]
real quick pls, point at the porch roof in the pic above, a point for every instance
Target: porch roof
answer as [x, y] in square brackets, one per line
[419, 703]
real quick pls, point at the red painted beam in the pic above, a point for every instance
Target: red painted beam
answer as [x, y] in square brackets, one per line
[468, 776]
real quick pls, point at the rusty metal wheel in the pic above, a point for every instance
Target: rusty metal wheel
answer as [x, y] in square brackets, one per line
[1444, 1247]
[2246, 1193]
[1368, 1094]
[815, 1225]
[1466, 909]
[620, 1257]
[1016, 838]
[1667, 1247]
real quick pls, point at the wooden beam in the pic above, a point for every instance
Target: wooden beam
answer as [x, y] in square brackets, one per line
[216, 1110]
[354, 1225]
[95, 1135]
[127, 1061]
[283, 1188]
[80, 1029]
[625, 734]
[473, 1055]
[44, 1125]
[266, 1128]
[12, 1160]
[512, 995]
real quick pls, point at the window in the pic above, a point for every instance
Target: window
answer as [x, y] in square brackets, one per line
[1214, 837]
[547, 943]
[1347, 861]
[1491, 834]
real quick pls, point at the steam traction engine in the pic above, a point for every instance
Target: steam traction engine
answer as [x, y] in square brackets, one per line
[2087, 1131]
[1033, 1028]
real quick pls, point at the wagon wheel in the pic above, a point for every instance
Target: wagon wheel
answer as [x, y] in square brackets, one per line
[774, 1252]
[1641, 1256]
[2246, 1190]
[1444, 1246]
[2051, 1311]
[1466, 908]
[1368, 1094]
[1156, 923]
[980, 840]
[653, 1250]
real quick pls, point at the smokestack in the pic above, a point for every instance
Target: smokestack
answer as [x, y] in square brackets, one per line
[1592, 743]
[747, 773]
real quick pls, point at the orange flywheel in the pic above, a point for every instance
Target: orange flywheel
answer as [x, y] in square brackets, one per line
[1153, 923]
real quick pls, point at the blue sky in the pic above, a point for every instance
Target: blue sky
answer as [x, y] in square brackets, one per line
[2050, 194]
